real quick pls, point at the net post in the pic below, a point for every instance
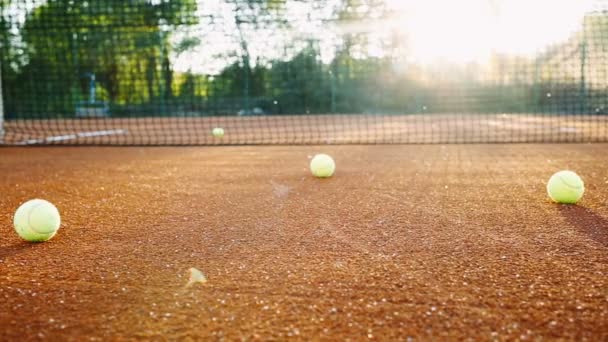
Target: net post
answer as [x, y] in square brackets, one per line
[1, 108]
[583, 81]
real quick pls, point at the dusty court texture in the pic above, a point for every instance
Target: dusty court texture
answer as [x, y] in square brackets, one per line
[403, 243]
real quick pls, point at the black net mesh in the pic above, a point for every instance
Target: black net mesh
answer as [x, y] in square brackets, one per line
[166, 72]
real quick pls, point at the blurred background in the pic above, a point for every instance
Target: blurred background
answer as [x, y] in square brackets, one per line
[69, 58]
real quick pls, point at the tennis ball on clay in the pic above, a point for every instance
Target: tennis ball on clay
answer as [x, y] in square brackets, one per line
[322, 166]
[37, 220]
[218, 132]
[565, 187]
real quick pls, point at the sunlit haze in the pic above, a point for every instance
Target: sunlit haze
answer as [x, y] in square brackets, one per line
[470, 30]
[430, 31]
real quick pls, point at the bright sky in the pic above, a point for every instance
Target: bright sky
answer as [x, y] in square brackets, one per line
[470, 30]
[454, 31]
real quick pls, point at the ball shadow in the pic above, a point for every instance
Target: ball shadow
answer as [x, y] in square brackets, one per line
[587, 222]
[16, 249]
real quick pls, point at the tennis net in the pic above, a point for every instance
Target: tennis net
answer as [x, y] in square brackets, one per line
[167, 72]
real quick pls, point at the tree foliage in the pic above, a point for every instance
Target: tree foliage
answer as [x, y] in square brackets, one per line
[48, 59]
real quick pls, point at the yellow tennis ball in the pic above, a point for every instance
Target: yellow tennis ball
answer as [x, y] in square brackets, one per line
[218, 132]
[37, 220]
[322, 166]
[565, 187]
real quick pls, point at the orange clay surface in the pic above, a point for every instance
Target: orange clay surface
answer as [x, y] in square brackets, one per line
[404, 242]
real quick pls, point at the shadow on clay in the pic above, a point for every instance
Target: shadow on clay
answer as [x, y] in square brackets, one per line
[587, 222]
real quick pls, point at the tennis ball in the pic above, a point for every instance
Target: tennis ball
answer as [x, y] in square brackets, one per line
[37, 220]
[322, 166]
[218, 132]
[565, 187]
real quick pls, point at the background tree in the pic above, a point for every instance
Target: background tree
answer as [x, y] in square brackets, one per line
[284, 56]
[125, 44]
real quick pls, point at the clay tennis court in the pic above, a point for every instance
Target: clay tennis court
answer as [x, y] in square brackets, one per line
[180, 141]
[404, 242]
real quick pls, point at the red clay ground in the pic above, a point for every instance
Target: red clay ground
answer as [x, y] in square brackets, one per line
[405, 241]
